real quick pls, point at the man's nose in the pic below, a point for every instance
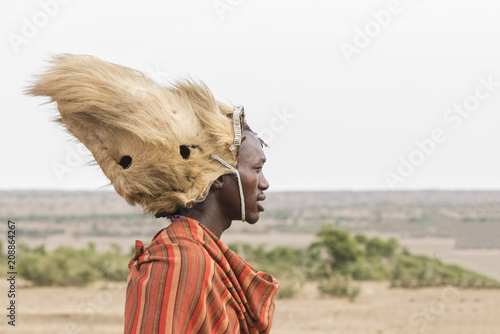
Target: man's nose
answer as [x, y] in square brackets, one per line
[264, 185]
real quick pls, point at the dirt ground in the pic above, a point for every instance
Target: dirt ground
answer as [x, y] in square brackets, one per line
[378, 310]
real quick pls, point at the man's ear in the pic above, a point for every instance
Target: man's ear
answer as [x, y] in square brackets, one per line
[219, 183]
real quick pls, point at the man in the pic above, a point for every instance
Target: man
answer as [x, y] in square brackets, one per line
[179, 154]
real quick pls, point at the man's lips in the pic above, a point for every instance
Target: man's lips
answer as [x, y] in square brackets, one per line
[259, 202]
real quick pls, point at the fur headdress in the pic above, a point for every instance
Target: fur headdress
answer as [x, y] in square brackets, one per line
[157, 145]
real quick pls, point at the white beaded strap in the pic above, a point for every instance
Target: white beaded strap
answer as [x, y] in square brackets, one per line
[242, 198]
[238, 110]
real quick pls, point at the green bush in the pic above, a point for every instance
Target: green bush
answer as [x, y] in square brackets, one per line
[66, 266]
[361, 239]
[285, 263]
[334, 260]
[365, 270]
[336, 255]
[412, 271]
[112, 265]
[291, 283]
[339, 286]
[63, 267]
[377, 248]
[336, 247]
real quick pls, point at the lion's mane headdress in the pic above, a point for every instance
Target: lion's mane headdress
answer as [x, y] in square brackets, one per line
[161, 147]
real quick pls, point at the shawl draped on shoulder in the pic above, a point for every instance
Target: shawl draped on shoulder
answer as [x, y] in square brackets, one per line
[188, 281]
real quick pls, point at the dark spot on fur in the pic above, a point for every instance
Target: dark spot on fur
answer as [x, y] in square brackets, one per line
[125, 161]
[185, 151]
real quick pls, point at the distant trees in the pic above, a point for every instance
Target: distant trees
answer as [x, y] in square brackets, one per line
[339, 248]
[377, 248]
[334, 261]
[67, 266]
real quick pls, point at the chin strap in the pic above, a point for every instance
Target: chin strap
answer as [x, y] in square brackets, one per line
[242, 198]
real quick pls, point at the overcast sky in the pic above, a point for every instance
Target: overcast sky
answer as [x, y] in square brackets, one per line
[351, 95]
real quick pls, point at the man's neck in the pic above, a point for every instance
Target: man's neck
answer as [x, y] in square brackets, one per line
[212, 217]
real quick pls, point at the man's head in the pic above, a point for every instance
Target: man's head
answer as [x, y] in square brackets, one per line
[154, 143]
[254, 183]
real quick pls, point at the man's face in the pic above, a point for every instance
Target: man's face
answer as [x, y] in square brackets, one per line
[250, 165]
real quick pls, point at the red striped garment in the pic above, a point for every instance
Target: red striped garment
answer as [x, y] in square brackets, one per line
[188, 281]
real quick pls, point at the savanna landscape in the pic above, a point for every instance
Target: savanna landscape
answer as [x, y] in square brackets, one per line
[349, 262]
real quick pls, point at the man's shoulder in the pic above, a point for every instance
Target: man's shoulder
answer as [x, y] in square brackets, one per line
[182, 231]
[180, 240]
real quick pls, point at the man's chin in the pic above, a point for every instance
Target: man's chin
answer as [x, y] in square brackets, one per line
[252, 219]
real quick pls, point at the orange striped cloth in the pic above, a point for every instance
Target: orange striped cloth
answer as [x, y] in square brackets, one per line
[188, 281]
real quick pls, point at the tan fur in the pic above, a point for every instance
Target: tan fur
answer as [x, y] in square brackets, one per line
[117, 111]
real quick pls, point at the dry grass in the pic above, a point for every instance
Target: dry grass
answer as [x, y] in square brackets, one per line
[379, 310]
